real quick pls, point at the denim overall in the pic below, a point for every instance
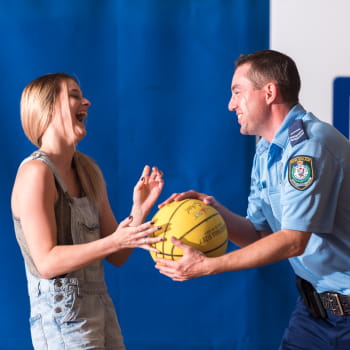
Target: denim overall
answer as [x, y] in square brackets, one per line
[73, 311]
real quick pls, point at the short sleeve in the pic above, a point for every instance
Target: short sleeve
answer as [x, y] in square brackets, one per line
[310, 192]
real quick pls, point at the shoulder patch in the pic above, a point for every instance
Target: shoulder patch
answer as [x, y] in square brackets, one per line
[301, 172]
[296, 132]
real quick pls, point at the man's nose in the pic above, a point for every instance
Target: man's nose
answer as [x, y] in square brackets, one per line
[232, 104]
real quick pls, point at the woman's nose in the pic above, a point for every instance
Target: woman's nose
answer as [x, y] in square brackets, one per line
[86, 102]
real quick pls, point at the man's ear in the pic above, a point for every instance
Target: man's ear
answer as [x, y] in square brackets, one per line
[271, 91]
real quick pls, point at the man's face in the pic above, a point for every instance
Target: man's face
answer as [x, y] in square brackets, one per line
[248, 103]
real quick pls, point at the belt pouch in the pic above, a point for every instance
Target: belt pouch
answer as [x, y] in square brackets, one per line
[311, 298]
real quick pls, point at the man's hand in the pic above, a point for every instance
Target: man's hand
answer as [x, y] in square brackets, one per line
[209, 200]
[193, 263]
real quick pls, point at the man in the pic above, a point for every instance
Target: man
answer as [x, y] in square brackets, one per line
[298, 207]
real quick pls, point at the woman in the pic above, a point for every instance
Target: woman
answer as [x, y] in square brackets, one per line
[64, 223]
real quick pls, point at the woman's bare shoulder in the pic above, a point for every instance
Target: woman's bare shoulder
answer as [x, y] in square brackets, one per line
[34, 180]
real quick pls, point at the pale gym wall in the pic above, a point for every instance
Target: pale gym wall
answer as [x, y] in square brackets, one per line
[316, 34]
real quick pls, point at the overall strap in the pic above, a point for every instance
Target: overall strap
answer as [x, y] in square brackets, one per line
[42, 156]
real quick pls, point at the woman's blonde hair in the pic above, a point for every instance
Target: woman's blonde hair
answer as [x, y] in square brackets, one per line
[37, 104]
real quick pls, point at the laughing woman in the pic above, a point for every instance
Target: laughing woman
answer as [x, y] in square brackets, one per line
[64, 223]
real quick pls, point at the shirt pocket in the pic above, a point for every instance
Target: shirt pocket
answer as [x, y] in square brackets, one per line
[85, 223]
[89, 231]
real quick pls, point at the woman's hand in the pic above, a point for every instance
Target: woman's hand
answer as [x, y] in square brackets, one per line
[146, 192]
[127, 236]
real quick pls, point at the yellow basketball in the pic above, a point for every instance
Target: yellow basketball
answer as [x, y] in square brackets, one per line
[195, 224]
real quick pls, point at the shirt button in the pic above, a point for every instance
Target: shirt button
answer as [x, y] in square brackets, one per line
[58, 297]
[58, 310]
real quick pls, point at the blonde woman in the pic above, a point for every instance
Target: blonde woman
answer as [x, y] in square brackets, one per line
[64, 223]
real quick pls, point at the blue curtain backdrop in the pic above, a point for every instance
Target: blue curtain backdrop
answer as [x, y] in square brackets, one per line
[158, 73]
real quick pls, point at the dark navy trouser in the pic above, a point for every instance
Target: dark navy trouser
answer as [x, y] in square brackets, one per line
[307, 333]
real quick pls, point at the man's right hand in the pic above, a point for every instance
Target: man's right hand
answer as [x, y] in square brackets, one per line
[209, 200]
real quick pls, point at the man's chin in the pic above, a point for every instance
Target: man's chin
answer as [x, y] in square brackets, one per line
[243, 131]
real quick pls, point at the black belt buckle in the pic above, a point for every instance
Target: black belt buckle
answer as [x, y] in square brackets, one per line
[334, 304]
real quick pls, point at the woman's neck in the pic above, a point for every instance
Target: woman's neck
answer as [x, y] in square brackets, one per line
[61, 157]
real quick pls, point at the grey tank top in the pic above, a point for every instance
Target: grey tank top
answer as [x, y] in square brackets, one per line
[77, 222]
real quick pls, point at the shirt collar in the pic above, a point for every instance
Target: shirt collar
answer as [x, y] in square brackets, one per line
[281, 137]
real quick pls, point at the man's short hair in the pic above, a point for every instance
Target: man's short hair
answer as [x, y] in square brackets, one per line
[270, 65]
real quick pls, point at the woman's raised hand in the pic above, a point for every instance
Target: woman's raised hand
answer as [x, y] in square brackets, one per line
[146, 192]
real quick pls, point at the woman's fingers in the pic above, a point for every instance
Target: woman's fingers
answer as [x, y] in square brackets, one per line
[126, 222]
[141, 233]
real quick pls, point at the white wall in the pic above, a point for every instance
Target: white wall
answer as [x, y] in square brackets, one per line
[316, 34]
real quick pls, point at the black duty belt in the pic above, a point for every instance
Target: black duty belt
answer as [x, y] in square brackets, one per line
[338, 304]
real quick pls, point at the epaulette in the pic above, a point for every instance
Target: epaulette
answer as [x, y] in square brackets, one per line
[296, 132]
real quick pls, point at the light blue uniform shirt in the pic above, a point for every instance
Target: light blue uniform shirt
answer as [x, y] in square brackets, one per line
[301, 181]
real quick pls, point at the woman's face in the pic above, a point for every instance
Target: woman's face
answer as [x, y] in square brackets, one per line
[71, 109]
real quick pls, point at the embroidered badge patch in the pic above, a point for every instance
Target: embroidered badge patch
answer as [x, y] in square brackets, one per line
[300, 172]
